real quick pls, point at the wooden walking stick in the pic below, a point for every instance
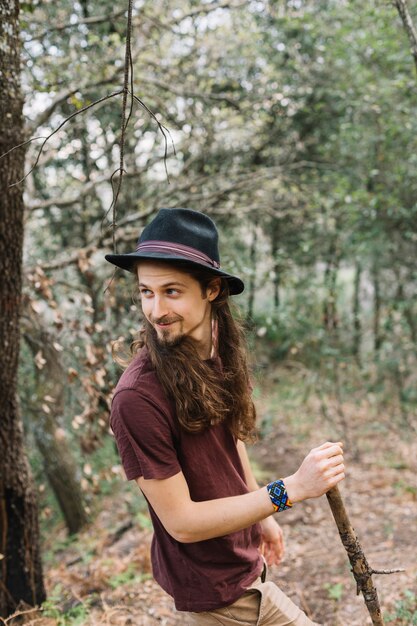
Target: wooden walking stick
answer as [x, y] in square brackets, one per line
[360, 567]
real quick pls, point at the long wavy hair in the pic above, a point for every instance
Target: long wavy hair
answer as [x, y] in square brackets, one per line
[206, 393]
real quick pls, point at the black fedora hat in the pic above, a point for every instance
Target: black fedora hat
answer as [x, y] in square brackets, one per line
[182, 236]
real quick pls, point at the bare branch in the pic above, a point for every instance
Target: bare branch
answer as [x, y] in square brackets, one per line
[161, 127]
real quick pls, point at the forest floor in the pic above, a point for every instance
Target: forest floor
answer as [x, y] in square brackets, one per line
[103, 577]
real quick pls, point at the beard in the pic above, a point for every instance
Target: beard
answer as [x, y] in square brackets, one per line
[166, 337]
[168, 340]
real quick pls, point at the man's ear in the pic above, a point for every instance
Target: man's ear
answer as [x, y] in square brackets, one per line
[213, 289]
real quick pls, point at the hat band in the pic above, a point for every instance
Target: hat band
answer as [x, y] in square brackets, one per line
[177, 248]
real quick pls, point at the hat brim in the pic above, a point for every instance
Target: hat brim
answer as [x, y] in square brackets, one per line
[128, 262]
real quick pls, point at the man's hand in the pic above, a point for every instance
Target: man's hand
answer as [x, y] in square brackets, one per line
[272, 546]
[322, 469]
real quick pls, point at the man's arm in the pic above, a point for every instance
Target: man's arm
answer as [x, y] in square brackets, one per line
[188, 521]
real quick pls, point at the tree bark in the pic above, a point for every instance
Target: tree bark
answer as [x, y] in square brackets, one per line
[20, 564]
[59, 465]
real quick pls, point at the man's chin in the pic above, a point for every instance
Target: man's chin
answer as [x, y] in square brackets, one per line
[168, 339]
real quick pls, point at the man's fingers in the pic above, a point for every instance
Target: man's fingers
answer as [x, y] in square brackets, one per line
[337, 459]
[337, 478]
[334, 471]
[329, 449]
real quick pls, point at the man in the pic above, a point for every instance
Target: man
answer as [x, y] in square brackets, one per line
[181, 413]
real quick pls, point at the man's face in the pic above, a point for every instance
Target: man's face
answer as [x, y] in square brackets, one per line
[173, 302]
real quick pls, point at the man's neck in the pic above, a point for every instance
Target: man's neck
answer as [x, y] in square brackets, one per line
[205, 350]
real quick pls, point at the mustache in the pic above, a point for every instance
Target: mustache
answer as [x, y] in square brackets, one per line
[165, 319]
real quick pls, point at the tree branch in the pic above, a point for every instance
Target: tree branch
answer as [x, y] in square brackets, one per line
[360, 567]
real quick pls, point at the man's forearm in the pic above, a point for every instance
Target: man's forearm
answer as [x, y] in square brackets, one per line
[215, 518]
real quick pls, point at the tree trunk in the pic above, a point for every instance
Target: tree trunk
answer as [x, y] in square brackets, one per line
[60, 468]
[406, 306]
[252, 279]
[409, 27]
[61, 473]
[357, 326]
[377, 309]
[330, 316]
[276, 265]
[20, 564]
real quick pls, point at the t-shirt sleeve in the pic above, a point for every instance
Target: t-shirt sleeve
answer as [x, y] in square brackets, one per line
[143, 436]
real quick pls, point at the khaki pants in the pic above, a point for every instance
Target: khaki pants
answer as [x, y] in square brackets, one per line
[263, 604]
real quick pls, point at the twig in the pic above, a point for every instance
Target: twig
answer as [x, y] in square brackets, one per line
[387, 571]
[17, 614]
[162, 128]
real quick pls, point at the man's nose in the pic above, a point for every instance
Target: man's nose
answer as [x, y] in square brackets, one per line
[159, 307]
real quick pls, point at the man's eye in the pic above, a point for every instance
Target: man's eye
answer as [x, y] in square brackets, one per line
[172, 292]
[145, 292]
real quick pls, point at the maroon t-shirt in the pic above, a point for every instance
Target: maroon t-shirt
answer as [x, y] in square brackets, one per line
[203, 575]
